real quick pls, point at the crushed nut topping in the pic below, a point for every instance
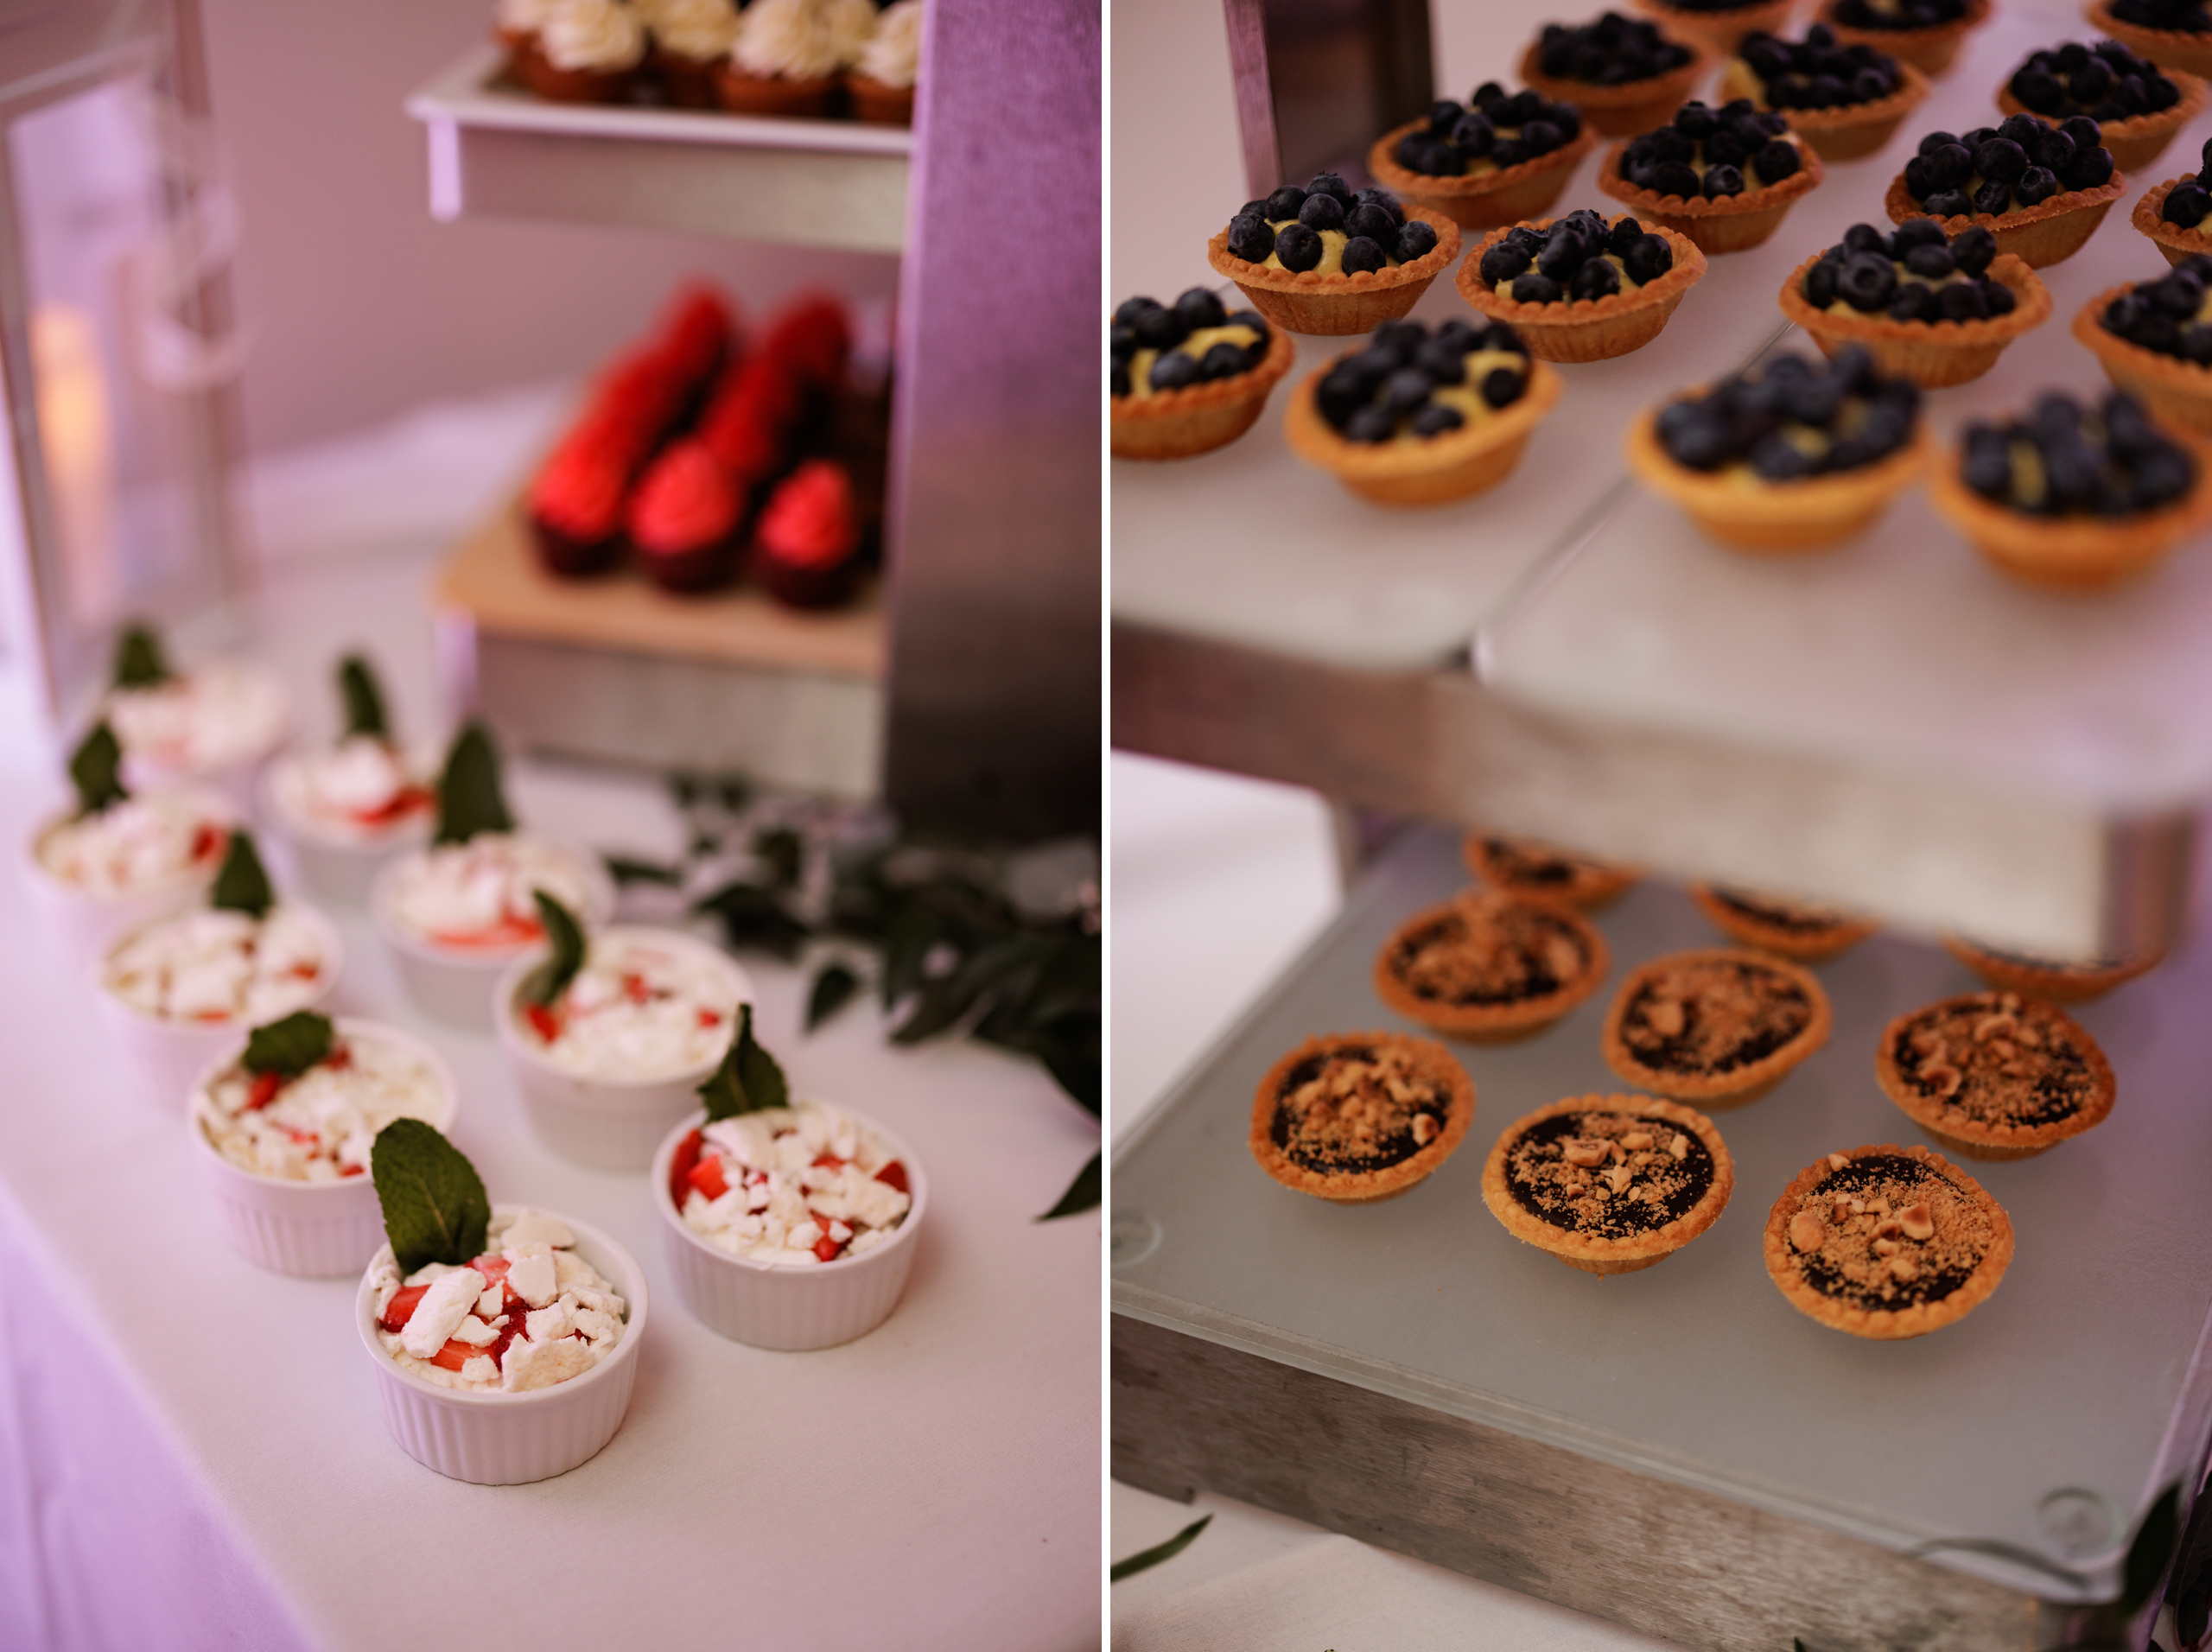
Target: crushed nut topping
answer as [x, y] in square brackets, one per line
[1707, 1013]
[1924, 1253]
[1490, 948]
[1576, 1170]
[1357, 1107]
[1994, 1061]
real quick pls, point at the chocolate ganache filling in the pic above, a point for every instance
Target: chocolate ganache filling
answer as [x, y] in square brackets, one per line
[1715, 1015]
[1354, 1108]
[1796, 920]
[1998, 1059]
[1512, 952]
[1858, 1261]
[1608, 1175]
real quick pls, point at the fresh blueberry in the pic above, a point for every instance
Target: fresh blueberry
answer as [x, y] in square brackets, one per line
[1298, 247]
[1373, 221]
[1775, 159]
[1417, 240]
[1533, 289]
[2000, 159]
[1988, 467]
[1121, 342]
[1251, 238]
[1916, 178]
[2054, 150]
[1820, 283]
[1871, 84]
[1442, 361]
[1285, 203]
[1126, 313]
[1473, 134]
[1322, 213]
[1865, 238]
[1652, 256]
[1723, 181]
[1371, 425]
[1673, 178]
[1867, 283]
[2039, 90]
[1118, 379]
[2160, 478]
[1994, 198]
[1976, 138]
[1623, 236]
[1200, 307]
[1696, 435]
[2091, 82]
[1947, 203]
[1362, 256]
[1406, 390]
[1973, 250]
[1998, 298]
[1501, 386]
[1929, 263]
[1341, 393]
[1694, 120]
[2090, 169]
[2180, 294]
[1373, 195]
[1725, 150]
[1563, 254]
[1948, 167]
[1436, 418]
[1596, 279]
[1933, 142]
[1443, 115]
[1777, 460]
[1541, 138]
[1914, 303]
[1460, 336]
[1813, 399]
[1962, 302]
[1508, 152]
[1225, 360]
[1398, 342]
[1669, 144]
[2023, 130]
[1916, 231]
[1161, 328]
[1331, 184]
[1504, 261]
[2187, 205]
[1173, 371]
[1499, 336]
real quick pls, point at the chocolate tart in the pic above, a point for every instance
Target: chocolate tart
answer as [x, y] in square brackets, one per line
[1731, 224]
[1930, 50]
[1787, 929]
[2139, 140]
[1717, 1026]
[1524, 865]
[1609, 1184]
[2054, 980]
[1590, 329]
[2176, 390]
[2046, 233]
[1479, 200]
[1433, 470]
[1627, 109]
[1932, 354]
[1995, 1075]
[1489, 965]
[1354, 1117]
[2170, 48]
[1197, 418]
[1886, 1242]
[1844, 131]
[1718, 30]
[2171, 239]
[1334, 305]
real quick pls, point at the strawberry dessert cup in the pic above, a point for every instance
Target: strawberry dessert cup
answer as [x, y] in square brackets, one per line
[343, 811]
[683, 519]
[216, 724]
[806, 548]
[95, 875]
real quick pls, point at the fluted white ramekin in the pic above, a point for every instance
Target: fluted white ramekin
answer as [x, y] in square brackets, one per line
[498, 1438]
[316, 1229]
[338, 866]
[789, 1308]
[607, 1124]
[86, 925]
[168, 1055]
[455, 984]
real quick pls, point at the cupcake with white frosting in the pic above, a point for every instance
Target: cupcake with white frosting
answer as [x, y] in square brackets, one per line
[788, 60]
[881, 82]
[585, 52]
[687, 39]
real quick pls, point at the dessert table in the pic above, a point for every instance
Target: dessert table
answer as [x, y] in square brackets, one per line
[191, 1452]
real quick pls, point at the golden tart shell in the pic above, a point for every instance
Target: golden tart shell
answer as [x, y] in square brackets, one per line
[1596, 1253]
[1720, 32]
[1480, 200]
[1804, 943]
[2177, 391]
[1737, 1085]
[1197, 418]
[1932, 354]
[1625, 109]
[1434, 470]
[1732, 223]
[1513, 1018]
[1785, 1263]
[1428, 1059]
[2038, 236]
[1976, 1138]
[1309, 301]
[2139, 140]
[1576, 879]
[2170, 48]
[2050, 980]
[1843, 132]
[1930, 50]
[2171, 239]
[1590, 329]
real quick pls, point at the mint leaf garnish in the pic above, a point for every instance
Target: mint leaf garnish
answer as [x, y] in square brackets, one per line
[289, 1046]
[357, 686]
[96, 770]
[242, 886]
[749, 1080]
[469, 799]
[434, 1206]
[566, 937]
[138, 660]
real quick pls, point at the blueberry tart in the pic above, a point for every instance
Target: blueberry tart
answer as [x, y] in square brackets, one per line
[1622, 73]
[1797, 930]
[1489, 965]
[1322, 259]
[1845, 101]
[1354, 1117]
[1936, 309]
[1524, 865]
[2058, 980]
[1926, 33]
[1581, 288]
[2174, 213]
[2042, 191]
[2072, 496]
[2175, 33]
[1788, 456]
[2154, 340]
[1724, 177]
[1609, 1184]
[1718, 1026]
[1886, 1242]
[1720, 25]
[1995, 1075]
[1189, 377]
[2138, 106]
[1420, 417]
[1496, 159]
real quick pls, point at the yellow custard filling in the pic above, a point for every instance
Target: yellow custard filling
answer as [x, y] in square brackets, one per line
[1629, 283]
[1332, 250]
[1466, 398]
[1195, 346]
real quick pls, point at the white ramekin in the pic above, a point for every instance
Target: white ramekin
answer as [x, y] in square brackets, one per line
[789, 1308]
[313, 1229]
[455, 985]
[337, 866]
[168, 1055]
[498, 1438]
[85, 925]
[604, 1123]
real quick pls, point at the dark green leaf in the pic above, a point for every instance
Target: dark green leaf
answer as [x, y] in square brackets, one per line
[138, 660]
[623, 869]
[750, 1080]
[96, 770]
[566, 937]
[242, 886]
[470, 800]
[784, 851]
[734, 791]
[753, 917]
[434, 1206]
[1152, 1557]
[833, 988]
[357, 687]
[943, 1001]
[914, 930]
[1069, 980]
[1076, 1072]
[1081, 1194]
[289, 1046]
[2151, 1551]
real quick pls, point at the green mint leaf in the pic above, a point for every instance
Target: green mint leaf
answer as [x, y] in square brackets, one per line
[242, 886]
[2150, 1552]
[749, 1080]
[566, 937]
[833, 987]
[624, 868]
[434, 1206]
[357, 687]
[1082, 1195]
[469, 798]
[289, 1046]
[96, 770]
[1152, 1557]
[138, 660]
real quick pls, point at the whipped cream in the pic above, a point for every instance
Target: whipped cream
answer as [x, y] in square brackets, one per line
[596, 35]
[209, 718]
[793, 1186]
[793, 39]
[361, 790]
[320, 1125]
[640, 1009]
[477, 896]
[702, 30]
[153, 839]
[851, 24]
[528, 1313]
[893, 53]
[212, 966]
[523, 18]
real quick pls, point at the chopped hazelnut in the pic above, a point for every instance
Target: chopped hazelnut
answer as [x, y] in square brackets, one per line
[1665, 1017]
[1807, 1232]
[1579, 1151]
[1837, 1161]
[2003, 1049]
[1680, 1146]
[1636, 1141]
[1990, 1025]
[1880, 1207]
[1903, 1266]
[1426, 1129]
[1888, 1227]
[1619, 1177]
[1942, 1080]
[2028, 1036]
[1917, 1223]
[1885, 1247]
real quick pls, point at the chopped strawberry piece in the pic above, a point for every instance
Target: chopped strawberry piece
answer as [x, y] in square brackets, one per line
[406, 801]
[680, 1168]
[633, 987]
[707, 1177]
[893, 1175]
[265, 1086]
[339, 1059]
[212, 1015]
[493, 1267]
[826, 1249]
[353, 1170]
[306, 971]
[304, 1137]
[206, 841]
[454, 1355]
[401, 1308]
[544, 1021]
[509, 932]
[710, 1018]
[829, 1159]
